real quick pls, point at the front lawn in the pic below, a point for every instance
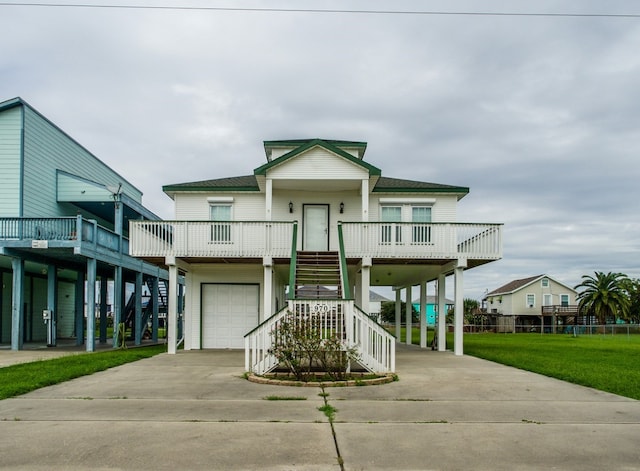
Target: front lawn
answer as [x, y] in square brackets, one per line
[25, 377]
[604, 362]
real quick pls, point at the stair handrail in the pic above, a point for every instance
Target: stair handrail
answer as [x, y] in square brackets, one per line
[344, 272]
[294, 258]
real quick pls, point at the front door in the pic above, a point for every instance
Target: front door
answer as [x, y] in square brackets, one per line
[316, 227]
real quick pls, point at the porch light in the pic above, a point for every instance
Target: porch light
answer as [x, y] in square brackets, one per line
[341, 207]
[290, 207]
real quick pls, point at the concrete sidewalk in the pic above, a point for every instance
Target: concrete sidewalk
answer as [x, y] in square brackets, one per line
[195, 411]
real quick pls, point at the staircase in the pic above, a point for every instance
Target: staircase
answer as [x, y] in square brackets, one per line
[318, 276]
[317, 292]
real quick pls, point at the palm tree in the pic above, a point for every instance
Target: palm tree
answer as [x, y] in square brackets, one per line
[604, 295]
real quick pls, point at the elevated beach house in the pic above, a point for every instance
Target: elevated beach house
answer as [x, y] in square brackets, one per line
[63, 231]
[315, 214]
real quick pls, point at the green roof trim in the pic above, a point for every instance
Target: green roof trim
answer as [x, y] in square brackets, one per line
[242, 183]
[298, 142]
[305, 145]
[397, 185]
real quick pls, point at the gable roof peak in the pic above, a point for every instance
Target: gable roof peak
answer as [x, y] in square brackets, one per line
[289, 145]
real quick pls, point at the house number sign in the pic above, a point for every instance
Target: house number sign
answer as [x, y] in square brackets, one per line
[320, 308]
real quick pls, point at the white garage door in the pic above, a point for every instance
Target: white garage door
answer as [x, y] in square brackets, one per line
[228, 312]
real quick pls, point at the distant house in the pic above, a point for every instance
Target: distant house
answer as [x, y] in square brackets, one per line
[432, 308]
[529, 303]
[375, 304]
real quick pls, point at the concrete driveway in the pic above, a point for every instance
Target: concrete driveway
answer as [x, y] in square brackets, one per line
[195, 411]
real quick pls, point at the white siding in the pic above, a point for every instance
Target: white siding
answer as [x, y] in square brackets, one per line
[223, 273]
[318, 164]
[195, 207]
[10, 131]
[442, 210]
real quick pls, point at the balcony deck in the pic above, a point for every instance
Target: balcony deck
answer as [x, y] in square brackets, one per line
[255, 239]
[66, 239]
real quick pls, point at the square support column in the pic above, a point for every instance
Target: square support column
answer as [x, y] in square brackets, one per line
[139, 328]
[365, 285]
[172, 311]
[17, 304]
[117, 307]
[423, 314]
[267, 305]
[458, 347]
[103, 309]
[408, 312]
[398, 315]
[442, 313]
[79, 304]
[155, 297]
[52, 305]
[91, 304]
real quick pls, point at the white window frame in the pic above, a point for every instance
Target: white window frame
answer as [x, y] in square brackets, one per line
[532, 303]
[544, 282]
[220, 231]
[567, 296]
[421, 230]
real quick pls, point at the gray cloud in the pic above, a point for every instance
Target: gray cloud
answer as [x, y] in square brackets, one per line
[538, 116]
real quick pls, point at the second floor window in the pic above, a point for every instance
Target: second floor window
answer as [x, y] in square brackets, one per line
[421, 229]
[392, 214]
[220, 231]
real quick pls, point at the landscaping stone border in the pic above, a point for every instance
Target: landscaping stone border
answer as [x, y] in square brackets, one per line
[384, 379]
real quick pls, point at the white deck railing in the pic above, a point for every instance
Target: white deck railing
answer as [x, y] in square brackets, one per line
[375, 346]
[210, 238]
[271, 238]
[422, 240]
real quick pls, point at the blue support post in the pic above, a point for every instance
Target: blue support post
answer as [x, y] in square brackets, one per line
[91, 304]
[17, 304]
[138, 314]
[103, 309]
[52, 282]
[79, 320]
[117, 306]
[155, 296]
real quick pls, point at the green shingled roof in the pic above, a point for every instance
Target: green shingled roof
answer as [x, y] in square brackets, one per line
[385, 184]
[307, 144]
[242, 183]
[249, 183]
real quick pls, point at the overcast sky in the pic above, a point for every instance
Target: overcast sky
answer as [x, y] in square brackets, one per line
[538, 115]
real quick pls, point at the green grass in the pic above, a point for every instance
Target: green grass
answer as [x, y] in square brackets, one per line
[26, 377]
[604, 362]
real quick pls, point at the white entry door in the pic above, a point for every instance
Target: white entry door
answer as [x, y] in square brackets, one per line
[316, 227]
[228, 312]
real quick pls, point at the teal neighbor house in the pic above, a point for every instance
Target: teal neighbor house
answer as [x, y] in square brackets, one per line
[64, 227]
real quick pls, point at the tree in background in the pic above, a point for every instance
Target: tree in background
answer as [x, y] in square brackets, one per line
[388, 313]
[632, 287]
[604, 296]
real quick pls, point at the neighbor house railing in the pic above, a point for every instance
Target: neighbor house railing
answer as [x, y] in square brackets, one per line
[211, 238]
[422, 240]
[64, 231]
[375, 345]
